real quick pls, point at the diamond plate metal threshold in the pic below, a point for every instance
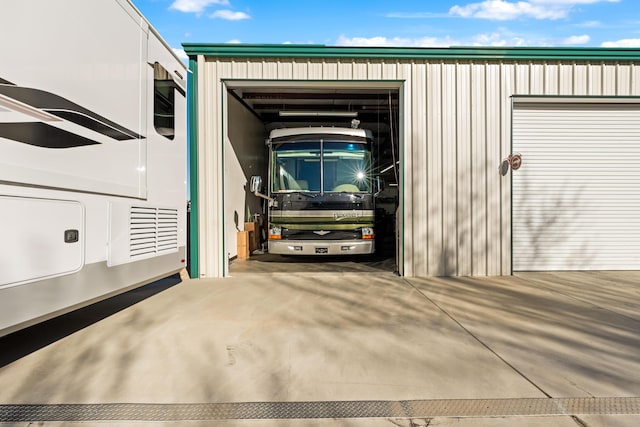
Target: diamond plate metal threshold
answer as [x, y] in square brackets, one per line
[328, 409]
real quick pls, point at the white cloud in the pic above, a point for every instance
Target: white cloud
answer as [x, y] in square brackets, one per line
[229, 15]
[300, 42]
[574, 40]
[590, 24]
[572, 2]
[506, 39]
[396, 41]
[502, 10]
[622, 43]
[180, 53]
[195, 6]
[501, 38]
[493, 39]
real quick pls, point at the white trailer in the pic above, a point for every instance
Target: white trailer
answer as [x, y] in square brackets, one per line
[92, 156]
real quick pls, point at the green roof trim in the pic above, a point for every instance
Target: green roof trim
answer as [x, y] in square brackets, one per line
[231, 50]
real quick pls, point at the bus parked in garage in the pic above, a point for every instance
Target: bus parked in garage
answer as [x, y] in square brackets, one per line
[92, 156]
[320, 191]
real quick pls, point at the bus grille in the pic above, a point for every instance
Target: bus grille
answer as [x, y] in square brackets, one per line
[332, 235]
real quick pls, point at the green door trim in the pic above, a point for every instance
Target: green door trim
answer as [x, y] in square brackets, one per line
[192, 135]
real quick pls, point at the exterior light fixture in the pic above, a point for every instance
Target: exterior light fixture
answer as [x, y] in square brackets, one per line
[302, 113]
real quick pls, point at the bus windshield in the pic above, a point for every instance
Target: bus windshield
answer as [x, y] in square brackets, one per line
[321, 166]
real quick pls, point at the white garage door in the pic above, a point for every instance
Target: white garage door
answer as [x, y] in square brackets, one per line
[576, 198]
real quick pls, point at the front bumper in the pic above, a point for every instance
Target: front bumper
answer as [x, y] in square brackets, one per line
[326, 247]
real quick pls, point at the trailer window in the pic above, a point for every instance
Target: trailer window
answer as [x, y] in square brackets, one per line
[163, 102]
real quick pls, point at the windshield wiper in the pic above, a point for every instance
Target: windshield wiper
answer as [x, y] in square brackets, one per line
[310, 195]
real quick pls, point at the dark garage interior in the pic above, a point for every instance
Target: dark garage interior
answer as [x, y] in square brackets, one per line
[289, 106]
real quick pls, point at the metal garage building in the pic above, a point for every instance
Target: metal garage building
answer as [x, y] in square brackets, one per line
[573, 114]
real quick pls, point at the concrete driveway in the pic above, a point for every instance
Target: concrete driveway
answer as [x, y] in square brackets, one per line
[316, 349]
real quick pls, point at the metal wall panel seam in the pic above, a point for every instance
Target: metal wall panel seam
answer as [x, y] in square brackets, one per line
[498, 180]
[419, 186]
[580, 80]
[472, 178]
[479, 171]
[222, 129]
[312, 70]
[449, 167]
[597, 83]
[217, 162]
[285, 70]
[390, 71]
[405, 145]
[224, 124]
[622, 75]
[509, 73]
[511, 204]
[255, 70]
[609, 79]
[345, 70]
[551, 79]
[493, 152]
[433, 176]
[269, 69]
[523, 84]
[359, 69]
[222, 260]
[329, 70]
[536, 74]
[206, 172]
[464, 212]
[238, 70]
[374, 71]
[565, 80]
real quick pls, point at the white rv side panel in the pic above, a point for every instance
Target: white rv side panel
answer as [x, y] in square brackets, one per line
[81, 158]
[51, 245]
[77, 80]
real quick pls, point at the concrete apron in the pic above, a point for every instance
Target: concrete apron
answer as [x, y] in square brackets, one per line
[350, 337]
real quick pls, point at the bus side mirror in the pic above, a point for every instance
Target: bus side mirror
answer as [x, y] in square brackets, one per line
[256, 184]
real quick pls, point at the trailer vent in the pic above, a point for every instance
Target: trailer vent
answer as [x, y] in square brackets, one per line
[152, 231]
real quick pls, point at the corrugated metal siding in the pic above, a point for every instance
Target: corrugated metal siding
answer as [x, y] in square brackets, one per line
[455, 130]
[577, 196]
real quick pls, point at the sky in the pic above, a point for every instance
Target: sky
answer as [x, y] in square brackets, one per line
[407, 23]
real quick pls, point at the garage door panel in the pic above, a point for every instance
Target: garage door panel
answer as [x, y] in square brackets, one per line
[576, 199]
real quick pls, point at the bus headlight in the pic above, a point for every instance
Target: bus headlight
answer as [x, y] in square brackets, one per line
[275, 233]
[367, 233]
